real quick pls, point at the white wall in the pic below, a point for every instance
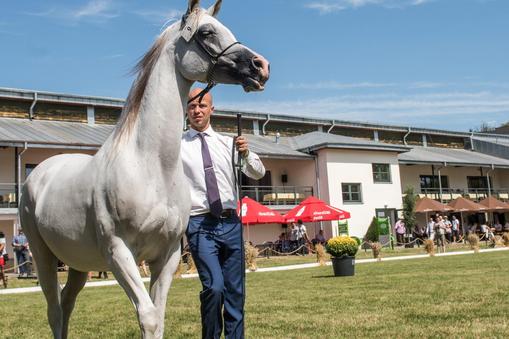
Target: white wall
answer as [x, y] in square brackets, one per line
[7, 226]
[299, 172]
[349, 166]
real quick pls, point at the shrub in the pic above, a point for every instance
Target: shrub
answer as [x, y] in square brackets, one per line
[342, 246]
[409, 209]
[372, 234]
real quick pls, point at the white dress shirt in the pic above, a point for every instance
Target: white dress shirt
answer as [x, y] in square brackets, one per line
[220, 148]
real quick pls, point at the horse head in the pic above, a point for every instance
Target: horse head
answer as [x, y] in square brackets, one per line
[208, 52]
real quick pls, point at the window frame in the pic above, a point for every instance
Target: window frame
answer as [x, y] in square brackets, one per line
[350, 192]
[375, 181]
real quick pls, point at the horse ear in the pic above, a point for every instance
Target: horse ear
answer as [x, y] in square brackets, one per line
[214, 9]
[193, 4]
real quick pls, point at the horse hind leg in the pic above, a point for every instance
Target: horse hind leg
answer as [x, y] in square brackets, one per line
[47, 274]
[75, 282]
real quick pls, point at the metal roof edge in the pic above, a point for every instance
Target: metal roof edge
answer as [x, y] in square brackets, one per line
[384, 148]
[449, 163]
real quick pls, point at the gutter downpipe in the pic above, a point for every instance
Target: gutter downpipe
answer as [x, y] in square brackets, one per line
[31, 113]
[406, 135]
[488, 178]
[472, 141]
[18, 183]
[265, 124]
[333, 125]
[440, 181]
[317, 174]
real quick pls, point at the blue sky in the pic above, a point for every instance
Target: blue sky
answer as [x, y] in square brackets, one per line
[428, 63]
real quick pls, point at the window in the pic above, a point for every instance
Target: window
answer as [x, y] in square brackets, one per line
[478, 182]
[351, 192]
[28, 169]
[381, 173]
[430, 182]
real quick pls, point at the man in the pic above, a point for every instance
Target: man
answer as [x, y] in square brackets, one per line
[302, 237]
[400, 230]
[20, 246]
[430, 230]
[455, 228]
[214, 232]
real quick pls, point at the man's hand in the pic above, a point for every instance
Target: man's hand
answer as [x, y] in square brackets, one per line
[242, 147]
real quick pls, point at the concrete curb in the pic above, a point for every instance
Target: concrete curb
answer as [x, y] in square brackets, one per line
[22, 290]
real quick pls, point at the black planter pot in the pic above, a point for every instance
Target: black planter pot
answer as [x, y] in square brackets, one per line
[343, 266]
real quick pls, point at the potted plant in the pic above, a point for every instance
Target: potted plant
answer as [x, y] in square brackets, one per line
[342, 250]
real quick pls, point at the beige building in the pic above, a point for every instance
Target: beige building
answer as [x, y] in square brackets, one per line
[362, 168]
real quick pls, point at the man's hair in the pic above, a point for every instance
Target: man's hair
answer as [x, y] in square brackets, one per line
[299, 221]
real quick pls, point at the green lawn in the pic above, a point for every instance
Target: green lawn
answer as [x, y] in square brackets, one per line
[458, 296]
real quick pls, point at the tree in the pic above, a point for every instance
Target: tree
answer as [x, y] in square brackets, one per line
[409, 208]
[372, 234]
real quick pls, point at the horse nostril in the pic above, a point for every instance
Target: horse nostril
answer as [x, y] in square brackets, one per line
[257, 62]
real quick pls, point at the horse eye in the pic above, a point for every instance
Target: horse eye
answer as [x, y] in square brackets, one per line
[207, 33]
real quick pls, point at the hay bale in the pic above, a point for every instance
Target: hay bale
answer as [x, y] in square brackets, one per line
[251, 253]
[376, 248]
[180, 269]
[505, 239]
[496, 241]
[473, 240]
[191, 266]
[320, 254]
[429, 247]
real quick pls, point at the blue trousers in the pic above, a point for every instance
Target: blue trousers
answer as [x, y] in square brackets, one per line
[217, 248]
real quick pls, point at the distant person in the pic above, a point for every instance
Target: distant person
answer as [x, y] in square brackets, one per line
[419, 232]
[448, 229]
[3, 253]
[20, 246]
[455, 228]
[400, 230]
[506, 227]
[302, 237]
[498, 227]
[440, 233]
[430, 229]
[293, 237]
[319, 238]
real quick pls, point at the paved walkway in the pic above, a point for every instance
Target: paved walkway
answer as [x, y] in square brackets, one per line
[266, 269]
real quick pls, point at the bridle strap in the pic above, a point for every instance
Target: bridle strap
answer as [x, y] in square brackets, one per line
[210, 72]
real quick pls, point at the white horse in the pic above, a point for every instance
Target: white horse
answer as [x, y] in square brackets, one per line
[130, 201]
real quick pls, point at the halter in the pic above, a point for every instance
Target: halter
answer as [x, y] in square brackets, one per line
[210, 72]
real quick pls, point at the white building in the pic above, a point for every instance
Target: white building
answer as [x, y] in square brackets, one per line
[358, 167]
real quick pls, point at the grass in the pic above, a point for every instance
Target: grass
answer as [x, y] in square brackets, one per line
[458, 296]
[272, 261]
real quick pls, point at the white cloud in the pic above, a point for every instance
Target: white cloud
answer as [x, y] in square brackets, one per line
[159, 17]
[94, 10]
[329, 6]
[459, 109]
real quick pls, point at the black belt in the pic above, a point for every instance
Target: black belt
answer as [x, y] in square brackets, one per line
[225, 214]
[228, 213]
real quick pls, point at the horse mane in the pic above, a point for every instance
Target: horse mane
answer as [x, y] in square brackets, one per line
[143, 68]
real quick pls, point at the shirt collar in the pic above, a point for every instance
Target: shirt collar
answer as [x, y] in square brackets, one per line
[193, 133]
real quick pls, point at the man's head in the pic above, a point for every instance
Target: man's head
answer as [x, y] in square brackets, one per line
[20, 231]
[299, 222]
[199, 112]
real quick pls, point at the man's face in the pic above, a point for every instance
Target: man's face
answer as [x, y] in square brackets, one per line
[199, 113]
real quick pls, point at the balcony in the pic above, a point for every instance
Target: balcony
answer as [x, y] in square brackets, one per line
[277, 195]
[8, 196]
[474, 194]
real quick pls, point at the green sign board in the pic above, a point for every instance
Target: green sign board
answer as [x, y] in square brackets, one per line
[343, 227]
[383, 226]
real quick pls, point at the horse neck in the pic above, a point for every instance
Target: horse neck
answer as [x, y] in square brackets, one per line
[158, 130]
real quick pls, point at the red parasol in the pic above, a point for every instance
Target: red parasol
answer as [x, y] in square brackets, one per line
[255, 213]
[313, 209]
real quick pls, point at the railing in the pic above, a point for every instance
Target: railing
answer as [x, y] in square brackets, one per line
[8, 195]
[277, 195]
[475, 194]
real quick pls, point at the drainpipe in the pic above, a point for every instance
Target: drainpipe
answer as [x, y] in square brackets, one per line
[18, 181]
[265, 124]
[31, 113]
[488, 178]
[333, 125]
[440, 181]
[317, 175]
[472, 141]
[406, 135]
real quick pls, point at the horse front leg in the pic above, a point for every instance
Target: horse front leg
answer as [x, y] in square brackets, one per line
[126, 272]
[160, 280]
